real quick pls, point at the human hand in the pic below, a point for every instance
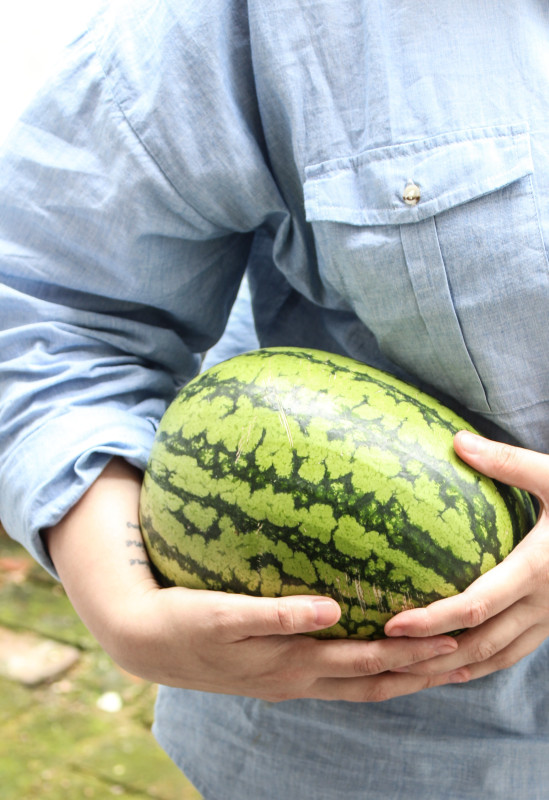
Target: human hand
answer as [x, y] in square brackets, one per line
[506, 610]
[250, 646]
[213, 641]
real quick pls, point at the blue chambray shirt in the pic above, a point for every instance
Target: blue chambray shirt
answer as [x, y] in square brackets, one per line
[380, 171]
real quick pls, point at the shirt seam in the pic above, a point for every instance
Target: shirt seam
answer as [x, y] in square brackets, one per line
[513, 131]
[117, 104]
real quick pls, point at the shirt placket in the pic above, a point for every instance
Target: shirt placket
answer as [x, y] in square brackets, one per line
[434, 300]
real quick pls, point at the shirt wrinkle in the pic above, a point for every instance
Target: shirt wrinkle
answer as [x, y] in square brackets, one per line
[184, 145]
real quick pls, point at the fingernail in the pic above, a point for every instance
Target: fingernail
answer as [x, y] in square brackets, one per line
[325, 612]
[470, 442]
[445, 649]
[457, 677]
[395, 631]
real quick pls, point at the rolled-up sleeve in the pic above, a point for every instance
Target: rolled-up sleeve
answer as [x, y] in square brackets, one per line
[121, 252]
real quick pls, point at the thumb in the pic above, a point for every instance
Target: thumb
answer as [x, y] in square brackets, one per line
[271, 616]
[516, 466]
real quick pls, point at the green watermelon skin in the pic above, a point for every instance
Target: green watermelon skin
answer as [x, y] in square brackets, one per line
[288, 471]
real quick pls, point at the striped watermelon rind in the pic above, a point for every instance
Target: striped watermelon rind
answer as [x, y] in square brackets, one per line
[288, 471]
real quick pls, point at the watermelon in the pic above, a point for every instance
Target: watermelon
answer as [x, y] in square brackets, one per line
[288, 471]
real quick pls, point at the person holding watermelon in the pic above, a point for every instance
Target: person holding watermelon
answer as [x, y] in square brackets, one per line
[380, 172]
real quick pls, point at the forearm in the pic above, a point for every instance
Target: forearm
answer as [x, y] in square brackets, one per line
[97, 548]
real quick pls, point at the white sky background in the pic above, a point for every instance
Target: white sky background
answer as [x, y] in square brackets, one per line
[32, 34]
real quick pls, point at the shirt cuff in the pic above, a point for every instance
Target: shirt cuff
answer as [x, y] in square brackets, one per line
[50, 470]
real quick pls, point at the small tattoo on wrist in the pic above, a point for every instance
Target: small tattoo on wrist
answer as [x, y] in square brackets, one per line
[138, 545]
[135, 543]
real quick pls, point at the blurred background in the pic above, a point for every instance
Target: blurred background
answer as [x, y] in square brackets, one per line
[73, 724]
[31, 35]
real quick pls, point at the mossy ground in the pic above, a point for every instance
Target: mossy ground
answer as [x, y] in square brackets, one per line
[57, 742]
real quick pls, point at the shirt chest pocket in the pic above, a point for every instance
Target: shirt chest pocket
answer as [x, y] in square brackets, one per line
[437, 246]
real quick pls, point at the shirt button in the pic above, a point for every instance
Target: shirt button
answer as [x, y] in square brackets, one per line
[411, 194]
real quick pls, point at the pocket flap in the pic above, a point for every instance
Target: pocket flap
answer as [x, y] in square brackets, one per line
[453, 168]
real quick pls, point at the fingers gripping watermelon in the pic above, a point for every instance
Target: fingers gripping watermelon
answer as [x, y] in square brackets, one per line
[287, 471]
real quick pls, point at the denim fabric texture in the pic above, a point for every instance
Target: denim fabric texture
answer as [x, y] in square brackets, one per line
[181, 145]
